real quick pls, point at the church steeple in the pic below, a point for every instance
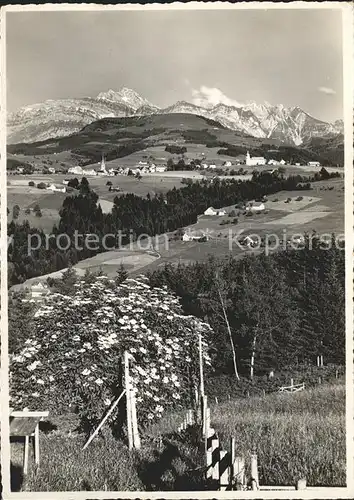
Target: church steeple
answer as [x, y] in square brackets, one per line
[103, 164]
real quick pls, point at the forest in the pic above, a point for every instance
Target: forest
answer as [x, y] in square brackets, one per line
[133, 215]
[273, 311]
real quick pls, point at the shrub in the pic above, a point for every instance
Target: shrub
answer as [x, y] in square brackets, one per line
[27, 211]
[299, 198]
[31, 183]
[41, 185]
[72, 357]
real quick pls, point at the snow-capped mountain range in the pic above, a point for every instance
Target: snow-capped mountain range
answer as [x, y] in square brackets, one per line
[57, 118]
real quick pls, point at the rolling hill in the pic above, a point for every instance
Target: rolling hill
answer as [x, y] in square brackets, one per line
[57, 118]
[120, 137]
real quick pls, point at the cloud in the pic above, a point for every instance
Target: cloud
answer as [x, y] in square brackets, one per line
[326, 90]
[208, 97]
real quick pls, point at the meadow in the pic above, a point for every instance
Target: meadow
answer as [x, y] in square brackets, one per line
[293, 434]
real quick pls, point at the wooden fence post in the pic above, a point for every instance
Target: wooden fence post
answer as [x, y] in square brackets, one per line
[291, 382]
[135, 429]
[319, 380]
[216, 400]
[239, 472]
[301, 484]
[128, 397]
[205, 406]
[254, 472]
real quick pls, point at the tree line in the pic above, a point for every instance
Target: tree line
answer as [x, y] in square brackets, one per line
[269, 311]
[132, 215]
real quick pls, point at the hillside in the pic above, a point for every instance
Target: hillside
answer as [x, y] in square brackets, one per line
[56, 118]
[121, 137]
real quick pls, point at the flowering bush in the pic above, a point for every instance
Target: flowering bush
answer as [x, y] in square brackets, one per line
[74, 355]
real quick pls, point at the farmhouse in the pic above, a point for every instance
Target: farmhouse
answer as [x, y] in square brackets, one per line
[195, 236]
[89, 172]
[210, 211]
[53, 187]
[255, 160]
[75, 170]
[227, 164]
[35, 290]
[314, 164]
[161, 168]
[249, 242]
[273, 162]
[255, 207]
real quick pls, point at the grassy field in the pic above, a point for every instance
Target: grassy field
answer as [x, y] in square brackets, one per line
[294, 435]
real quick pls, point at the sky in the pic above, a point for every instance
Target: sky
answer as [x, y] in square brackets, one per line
[289, 57]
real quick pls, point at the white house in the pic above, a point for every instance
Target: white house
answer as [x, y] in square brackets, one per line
[314, 164]
[89, 172]
[75, 170]
[210, 211]
[212, 166]
[273, 162]
[249, 242]
[204, 165]
[227, 164]
[255, 207]
[161, 168]
[282, 162]
[51, 170]
[66, 182]
[53, 187]
[255, 160]
[194, 236]
[38, 290]
[297, 164]
[221, 212]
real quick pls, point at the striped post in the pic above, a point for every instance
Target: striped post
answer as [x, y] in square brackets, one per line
[209, 454]
[224, 471]
[215, 450]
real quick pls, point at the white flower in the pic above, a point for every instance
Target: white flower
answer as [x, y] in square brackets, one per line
[176, 396]
[107, 402]
[87, 345]
[76, 337]
[165, 380]
[51, 378]
[143, 350]
[85, 372]
[40, 381]
[150, 416]
[35, 394]
[54, 336]
[33, 365]
[99, 381]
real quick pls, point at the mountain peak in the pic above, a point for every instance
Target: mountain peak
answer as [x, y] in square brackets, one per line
[125, 96]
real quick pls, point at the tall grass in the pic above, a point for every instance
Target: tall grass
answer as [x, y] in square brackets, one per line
[294, 435]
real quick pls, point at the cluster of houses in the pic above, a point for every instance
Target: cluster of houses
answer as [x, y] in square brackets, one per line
[254, 206]
[141, 168]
